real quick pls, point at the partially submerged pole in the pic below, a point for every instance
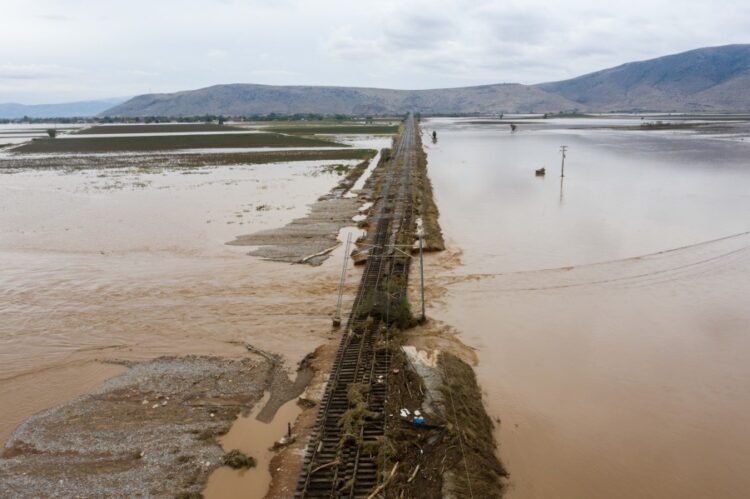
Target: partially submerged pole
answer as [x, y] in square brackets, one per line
[337, 316]
[563, 149]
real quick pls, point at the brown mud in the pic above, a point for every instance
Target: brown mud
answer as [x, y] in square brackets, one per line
[287, 463]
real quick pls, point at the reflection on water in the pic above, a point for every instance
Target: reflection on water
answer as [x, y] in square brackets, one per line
[618, 367]
[624, 193]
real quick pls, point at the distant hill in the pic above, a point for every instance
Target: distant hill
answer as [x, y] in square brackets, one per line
[70, 109]
[706, 79]
[248, 99]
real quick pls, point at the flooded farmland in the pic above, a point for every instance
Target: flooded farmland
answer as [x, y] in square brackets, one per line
[122, 302]
[131, 263]
[609, 313]
[606, 311]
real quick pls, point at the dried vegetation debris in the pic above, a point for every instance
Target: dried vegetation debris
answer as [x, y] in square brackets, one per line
[451, 454]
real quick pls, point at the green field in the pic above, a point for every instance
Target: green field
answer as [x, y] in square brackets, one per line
[161, 160]
[248, 158]
[167, 128]
[336, 129]
[167, 142]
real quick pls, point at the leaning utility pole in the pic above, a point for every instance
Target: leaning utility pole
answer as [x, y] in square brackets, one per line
[337, 316]
[563, 149]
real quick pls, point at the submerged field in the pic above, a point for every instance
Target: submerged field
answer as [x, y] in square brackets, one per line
[118, 257]
[607, 309]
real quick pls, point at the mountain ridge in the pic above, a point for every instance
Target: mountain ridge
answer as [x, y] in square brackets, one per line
[248, 99]
[704, 79]
[79, 109]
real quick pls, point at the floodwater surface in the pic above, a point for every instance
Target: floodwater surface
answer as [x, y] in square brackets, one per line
[113, 264]
[609, 313]
[255, 439]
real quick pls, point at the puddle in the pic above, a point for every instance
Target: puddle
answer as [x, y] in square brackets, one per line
[254, 438]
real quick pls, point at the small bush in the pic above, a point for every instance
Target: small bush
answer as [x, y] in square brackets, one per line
[401, 315]
[238, 460]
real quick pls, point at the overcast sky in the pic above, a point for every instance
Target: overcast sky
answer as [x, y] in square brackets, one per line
[55, 51]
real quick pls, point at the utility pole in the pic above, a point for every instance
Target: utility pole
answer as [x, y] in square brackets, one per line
[337, 317]
[420, 233]
[563, 150]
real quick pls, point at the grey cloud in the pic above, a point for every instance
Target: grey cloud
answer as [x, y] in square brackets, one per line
[33, 71]
[183, 44]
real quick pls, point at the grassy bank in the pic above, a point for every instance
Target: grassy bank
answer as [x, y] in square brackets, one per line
[134, 144]
[424, 202]
[476, 470]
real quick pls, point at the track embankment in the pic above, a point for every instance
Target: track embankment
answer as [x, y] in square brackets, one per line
[366, 442]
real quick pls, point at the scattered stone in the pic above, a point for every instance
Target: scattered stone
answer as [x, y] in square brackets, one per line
[111, 443]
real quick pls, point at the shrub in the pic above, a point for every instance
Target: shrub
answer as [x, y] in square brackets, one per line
[238, 460]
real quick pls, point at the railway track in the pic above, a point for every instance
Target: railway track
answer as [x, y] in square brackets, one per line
[344, 465]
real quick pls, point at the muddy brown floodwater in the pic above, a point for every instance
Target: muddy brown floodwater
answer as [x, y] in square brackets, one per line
[611, 321]
[255, 438]
[132, 264]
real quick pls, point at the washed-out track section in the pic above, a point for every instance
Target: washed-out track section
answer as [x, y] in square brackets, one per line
[336, 465]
